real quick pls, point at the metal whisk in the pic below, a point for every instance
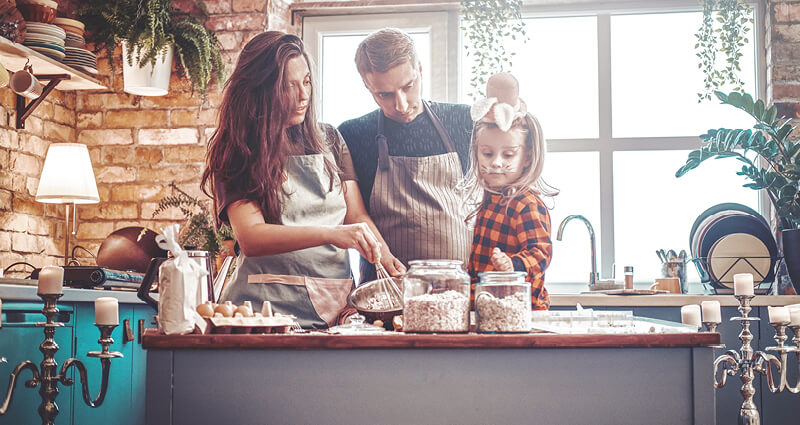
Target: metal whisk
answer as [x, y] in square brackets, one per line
[387, 286]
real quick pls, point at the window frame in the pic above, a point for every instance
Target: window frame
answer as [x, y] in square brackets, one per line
[447, 86]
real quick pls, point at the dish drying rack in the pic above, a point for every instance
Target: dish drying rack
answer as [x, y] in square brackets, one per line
[717, 288]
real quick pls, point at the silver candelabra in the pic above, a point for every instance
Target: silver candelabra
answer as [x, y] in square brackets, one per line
[746, 362]
[47, 376]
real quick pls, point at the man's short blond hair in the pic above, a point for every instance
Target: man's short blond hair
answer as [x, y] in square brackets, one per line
[385, 49]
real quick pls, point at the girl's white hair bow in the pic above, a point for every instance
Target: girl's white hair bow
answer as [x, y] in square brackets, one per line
[500, 113]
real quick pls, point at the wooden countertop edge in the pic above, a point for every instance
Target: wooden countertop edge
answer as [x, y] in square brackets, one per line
[154, 340]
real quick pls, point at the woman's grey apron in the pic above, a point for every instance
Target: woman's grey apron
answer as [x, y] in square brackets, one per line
[415, 204]
[312, 284]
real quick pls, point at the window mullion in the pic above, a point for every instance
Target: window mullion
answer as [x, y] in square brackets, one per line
[606, 153]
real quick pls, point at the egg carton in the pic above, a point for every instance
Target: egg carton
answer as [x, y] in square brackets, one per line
[249, 325]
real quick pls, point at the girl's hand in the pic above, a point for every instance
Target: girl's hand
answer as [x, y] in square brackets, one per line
[501, 261]
[359, 237]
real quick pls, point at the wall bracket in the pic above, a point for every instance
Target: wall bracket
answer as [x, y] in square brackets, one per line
[24, 110]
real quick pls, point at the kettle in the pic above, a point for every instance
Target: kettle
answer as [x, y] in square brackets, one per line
[202, 258]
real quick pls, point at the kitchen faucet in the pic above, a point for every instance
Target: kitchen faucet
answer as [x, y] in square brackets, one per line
[594, 277]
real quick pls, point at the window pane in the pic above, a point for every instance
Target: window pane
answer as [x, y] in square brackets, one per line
[655, 78]
[557, 72]
[343, 93]
[579, 194]
[655, 210]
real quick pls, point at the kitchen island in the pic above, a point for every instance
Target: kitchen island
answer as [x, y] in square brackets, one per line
[430, 379]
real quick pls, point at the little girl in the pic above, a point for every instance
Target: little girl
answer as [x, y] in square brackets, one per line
[512, 229]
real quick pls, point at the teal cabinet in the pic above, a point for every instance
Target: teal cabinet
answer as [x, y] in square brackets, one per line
[144, 317]
[117, 403]
[19, 341]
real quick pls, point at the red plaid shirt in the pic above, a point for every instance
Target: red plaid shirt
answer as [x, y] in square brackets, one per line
[521, 229]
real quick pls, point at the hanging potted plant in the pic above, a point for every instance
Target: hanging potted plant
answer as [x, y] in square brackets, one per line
[724, 30]
[771, 161]
[488, 24]
[150, 33]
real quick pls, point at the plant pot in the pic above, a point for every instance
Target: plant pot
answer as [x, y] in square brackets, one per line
[147, 79]
[791, 255]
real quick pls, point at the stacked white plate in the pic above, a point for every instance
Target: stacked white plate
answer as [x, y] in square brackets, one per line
[46, 39]
[81, 59]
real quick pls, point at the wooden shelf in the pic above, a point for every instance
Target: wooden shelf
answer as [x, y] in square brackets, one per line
[14, 56]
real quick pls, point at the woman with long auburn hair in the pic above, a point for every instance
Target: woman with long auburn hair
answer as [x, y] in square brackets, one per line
[286, 185]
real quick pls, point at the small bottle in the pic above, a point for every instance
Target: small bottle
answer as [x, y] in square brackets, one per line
[628, 277]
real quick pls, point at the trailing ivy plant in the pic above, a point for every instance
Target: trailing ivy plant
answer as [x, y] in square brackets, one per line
[773, 163]
[724, 30]
[488, 24]
[199, 231]
[149, 27]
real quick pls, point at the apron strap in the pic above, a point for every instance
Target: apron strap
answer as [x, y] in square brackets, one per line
[383, 146]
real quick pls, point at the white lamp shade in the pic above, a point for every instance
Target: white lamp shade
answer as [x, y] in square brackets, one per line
[67, 176]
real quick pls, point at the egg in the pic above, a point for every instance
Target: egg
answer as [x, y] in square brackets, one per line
[205, 310]
[397, 322]
[225, 309]
[244, 311]
[378, 323]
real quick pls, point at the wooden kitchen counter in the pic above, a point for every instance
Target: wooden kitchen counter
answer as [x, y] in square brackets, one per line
[424, 379]
[153, 339]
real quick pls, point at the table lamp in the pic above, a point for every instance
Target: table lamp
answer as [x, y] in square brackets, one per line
[67, 178]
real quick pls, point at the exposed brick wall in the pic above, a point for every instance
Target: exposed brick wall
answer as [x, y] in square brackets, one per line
[138, 145]
[30, 231]
[783, 57]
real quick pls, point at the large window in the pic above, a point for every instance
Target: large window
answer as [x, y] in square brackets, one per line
[616, 93]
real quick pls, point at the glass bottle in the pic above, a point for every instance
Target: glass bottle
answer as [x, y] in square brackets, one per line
[628, 277]
[503, 302]
[436, 297]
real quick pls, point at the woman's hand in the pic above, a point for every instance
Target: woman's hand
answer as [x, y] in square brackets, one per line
[359, 237]
[501, 261]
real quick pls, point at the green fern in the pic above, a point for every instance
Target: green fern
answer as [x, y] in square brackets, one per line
[199, 231]
[151, 26]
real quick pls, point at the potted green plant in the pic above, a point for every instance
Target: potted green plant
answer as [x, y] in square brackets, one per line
[487, 26]
[771, 162]
[723, 30]
[199, 231]
[149, 31]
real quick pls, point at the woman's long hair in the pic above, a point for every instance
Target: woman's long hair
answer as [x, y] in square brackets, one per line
[247, 153]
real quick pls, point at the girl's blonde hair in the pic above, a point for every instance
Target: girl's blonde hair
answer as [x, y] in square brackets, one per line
[531, 177]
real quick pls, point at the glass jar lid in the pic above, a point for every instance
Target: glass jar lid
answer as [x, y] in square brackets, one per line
[495, 277]
[436, 263]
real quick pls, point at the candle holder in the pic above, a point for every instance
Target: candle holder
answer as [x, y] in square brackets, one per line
[45, 376]
[710, 326]
[746, 362]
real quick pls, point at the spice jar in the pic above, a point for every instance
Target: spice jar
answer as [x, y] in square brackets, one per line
[628, 277]
[436, 297]
[503, 302]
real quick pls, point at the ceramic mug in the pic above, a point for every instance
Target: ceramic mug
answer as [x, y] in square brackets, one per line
[25, 84]
[669, 284]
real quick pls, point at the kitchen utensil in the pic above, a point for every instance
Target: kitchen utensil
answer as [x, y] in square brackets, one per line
[361, 299]
[388, 286]
[660, 255]
[669, 284]
[738, 253]
[25, 84]
[741, 224]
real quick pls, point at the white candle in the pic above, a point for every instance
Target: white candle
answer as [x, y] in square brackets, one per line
[743, 284]
[106, 311]
[51, 280]
[794, 314]
[711, 311]
[778, 314]
[690, 315]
